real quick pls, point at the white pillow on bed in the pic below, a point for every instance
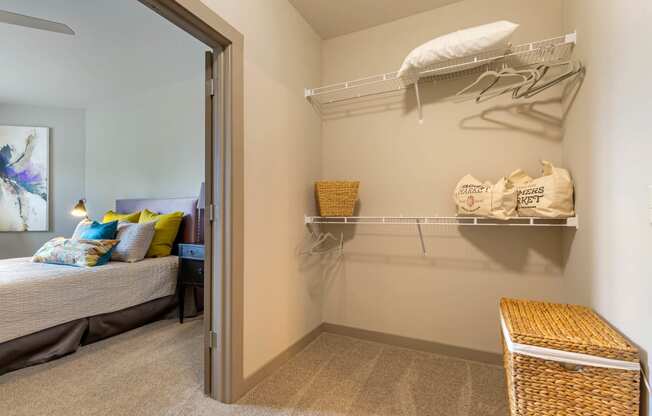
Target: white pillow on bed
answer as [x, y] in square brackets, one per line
[81, 228]
[135, 240]
[457, 45]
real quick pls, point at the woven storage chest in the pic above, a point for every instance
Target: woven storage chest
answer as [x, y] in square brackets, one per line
[564, 360]
[336, 198]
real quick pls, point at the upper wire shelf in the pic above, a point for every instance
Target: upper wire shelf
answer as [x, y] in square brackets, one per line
[528, 54]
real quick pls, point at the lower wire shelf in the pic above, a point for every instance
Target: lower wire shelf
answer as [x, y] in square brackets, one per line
[572, 222]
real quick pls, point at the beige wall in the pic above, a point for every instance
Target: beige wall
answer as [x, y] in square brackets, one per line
[607, 145]
[282, 159]
[450, 296]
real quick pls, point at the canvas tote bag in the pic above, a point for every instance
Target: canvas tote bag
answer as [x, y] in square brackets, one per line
[549, 196]
[503, 200]
[483, 199]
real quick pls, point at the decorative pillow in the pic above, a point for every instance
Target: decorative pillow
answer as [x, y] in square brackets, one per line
[457, 45]
[135, 240]
[114, 216]
[81, 229]
[80, 253]
[97, 231]
[165, 231]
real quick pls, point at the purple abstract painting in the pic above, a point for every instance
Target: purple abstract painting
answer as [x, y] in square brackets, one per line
[24, 178]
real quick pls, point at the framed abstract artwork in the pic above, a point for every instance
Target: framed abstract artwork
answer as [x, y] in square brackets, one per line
[24, 178]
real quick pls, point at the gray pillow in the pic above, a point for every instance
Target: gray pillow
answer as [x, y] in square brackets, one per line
[134, 241]
[81, 228]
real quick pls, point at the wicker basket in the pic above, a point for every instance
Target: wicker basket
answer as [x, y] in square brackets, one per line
[564, 360]
[336, 198]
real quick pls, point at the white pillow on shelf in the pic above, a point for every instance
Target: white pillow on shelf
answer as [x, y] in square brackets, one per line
[457, 45]
[135, 240]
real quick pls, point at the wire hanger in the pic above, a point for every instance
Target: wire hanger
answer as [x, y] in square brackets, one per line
[488, 72]
[527, 76]
[541, 72]
[477, 81]
[318, 246]
[542, 69]
[576, 69]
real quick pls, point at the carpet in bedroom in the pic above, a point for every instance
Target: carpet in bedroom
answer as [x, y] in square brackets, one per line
[156, 370]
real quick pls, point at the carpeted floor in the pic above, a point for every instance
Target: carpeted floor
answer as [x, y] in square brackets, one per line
[156, 370]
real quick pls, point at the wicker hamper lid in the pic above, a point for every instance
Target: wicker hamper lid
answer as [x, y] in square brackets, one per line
[569, 328]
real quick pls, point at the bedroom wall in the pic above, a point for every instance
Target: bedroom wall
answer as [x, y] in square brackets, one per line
[149, 144]
[451, 295]
[282, 296]
[606, 147]
[67, 133]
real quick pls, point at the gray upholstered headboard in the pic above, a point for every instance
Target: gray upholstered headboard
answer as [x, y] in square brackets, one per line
[187, 232]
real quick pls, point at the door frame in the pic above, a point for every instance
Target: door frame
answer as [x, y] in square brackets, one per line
[223, 379]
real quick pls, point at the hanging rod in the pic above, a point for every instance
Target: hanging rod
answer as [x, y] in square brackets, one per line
[572, 222]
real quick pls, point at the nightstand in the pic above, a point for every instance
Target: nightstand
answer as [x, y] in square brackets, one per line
[191, 272]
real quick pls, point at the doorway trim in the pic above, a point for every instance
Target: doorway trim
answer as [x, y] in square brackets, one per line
[226, 384]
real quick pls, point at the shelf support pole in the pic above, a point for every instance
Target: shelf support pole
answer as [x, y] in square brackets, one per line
[423, 245]
[418, 95]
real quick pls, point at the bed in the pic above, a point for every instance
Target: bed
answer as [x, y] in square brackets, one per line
[48, 311]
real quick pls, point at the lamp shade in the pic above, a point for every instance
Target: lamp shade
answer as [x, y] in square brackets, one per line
[79, 209]
[201, 202]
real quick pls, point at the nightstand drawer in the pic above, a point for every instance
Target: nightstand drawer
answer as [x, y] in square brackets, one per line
[192, 271]
[191, 251]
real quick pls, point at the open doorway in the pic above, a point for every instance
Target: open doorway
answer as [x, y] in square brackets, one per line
[137, 142]
[223, 363]
[224, 293]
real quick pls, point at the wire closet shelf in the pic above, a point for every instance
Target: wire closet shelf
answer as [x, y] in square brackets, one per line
[572, 222]
[535, 53]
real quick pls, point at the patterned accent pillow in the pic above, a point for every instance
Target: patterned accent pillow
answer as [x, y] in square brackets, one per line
[80, 253]
[134, 241]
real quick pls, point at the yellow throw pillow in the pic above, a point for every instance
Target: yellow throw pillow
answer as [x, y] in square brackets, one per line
[114, 216]
[165, 231]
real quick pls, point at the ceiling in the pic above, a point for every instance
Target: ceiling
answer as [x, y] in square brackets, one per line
[120, 47]
[331, 18]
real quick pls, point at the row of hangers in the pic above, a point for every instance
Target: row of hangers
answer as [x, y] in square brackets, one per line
[528, 82]
[320, 243]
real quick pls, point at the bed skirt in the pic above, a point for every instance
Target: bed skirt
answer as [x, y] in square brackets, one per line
[52, 343]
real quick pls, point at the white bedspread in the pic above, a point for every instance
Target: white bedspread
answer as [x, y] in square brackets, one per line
[36, 296]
